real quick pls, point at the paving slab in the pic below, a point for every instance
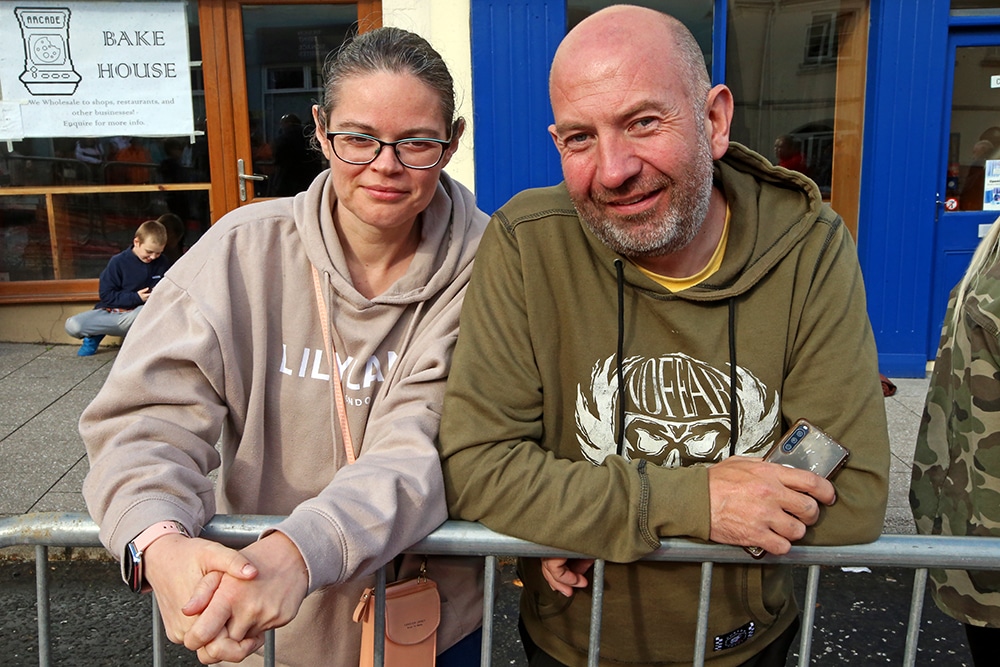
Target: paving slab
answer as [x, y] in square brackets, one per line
[15, 355]
[32, 388]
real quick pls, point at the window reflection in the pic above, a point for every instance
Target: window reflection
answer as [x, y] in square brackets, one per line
[24, 240]
[285, 51]
[782, 65]
[797, 75]
[978, 6]
[117, 160]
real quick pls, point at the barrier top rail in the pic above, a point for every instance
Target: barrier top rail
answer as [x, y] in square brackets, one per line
[62, 529]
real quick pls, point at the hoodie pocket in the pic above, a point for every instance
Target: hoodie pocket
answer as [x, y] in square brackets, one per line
[767, 590]
[549, 604]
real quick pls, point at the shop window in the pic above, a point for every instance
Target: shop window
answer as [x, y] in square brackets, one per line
[67, 204]
[797, 72]
[284, 53]
[697, 15]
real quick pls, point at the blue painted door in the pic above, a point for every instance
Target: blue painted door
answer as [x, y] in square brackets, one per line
[513, 42]
[969, 190]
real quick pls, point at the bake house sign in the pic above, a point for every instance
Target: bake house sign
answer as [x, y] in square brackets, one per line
[90, 69]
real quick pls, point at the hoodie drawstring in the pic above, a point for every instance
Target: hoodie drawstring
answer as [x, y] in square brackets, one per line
[620, 436]
[734, 406]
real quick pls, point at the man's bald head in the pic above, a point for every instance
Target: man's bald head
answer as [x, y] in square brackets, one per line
[620, 32]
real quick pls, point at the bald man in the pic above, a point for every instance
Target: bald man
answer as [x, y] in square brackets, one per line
[633, 342]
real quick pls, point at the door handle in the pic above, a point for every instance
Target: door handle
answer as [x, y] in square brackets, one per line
[243, 177]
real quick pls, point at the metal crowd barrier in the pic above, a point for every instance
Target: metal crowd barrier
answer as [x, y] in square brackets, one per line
[471, 539]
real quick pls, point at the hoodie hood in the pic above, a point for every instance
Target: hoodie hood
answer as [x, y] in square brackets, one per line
[775, 208]
[450, 229]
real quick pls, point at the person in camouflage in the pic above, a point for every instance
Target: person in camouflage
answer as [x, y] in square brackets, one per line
[955, 485]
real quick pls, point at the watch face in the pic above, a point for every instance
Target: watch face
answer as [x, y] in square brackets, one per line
[132, 568]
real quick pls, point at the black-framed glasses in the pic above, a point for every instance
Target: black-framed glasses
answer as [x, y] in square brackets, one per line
[414, 152]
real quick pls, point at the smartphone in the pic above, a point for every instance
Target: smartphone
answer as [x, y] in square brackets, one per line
[807, 447]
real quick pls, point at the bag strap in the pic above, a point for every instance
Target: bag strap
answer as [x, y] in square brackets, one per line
[331, 350]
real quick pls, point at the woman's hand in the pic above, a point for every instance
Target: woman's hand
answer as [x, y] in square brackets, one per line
[177, 567]
[232, 624]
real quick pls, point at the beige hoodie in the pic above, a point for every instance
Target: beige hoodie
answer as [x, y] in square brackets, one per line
[231, 346]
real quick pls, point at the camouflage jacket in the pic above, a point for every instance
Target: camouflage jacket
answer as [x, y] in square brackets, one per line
[955, 487]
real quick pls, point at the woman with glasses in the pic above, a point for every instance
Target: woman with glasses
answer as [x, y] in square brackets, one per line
[301, 348]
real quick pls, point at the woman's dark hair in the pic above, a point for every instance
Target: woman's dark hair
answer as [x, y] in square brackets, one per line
[392, 50]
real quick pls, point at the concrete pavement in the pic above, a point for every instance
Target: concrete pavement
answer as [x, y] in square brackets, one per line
[44, 388]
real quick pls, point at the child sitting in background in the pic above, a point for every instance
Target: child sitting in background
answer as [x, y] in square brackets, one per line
[125, 284]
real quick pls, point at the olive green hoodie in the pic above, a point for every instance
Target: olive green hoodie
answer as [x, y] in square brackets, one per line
[531, 416]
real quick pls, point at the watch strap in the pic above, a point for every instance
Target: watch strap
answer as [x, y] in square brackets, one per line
[155, 532]
[133, 571]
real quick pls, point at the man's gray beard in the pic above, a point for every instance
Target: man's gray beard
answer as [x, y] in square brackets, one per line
[689, 202]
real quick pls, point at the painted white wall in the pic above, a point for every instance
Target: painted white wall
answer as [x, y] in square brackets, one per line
[445, 24]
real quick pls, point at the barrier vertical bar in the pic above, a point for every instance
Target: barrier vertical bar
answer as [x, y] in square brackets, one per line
[489, 595]
[270, 651]
[916, 610]
[159, 635]
[701, 635]
[596, 605]
[809, 615]
[380, 617]
[42, 604]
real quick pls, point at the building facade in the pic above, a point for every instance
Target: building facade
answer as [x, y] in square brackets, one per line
[891, 106]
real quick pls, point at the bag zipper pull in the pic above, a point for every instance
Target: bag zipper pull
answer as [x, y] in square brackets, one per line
[361, 611]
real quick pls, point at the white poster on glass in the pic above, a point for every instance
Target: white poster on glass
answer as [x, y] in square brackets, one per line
[93, 69]
[991, 186]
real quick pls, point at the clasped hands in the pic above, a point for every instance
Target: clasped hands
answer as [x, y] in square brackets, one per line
[219, 601]
[753, 503]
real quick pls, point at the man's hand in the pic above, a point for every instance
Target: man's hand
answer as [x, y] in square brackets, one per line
[144, 293]
[754, 503]
[563, 574]
[175, 566]
[232, 620]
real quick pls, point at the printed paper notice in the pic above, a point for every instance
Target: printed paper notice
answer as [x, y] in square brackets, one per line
[991, 187]
[10, 121]
[91, 69]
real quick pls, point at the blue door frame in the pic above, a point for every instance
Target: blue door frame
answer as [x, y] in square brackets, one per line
[957, 232]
